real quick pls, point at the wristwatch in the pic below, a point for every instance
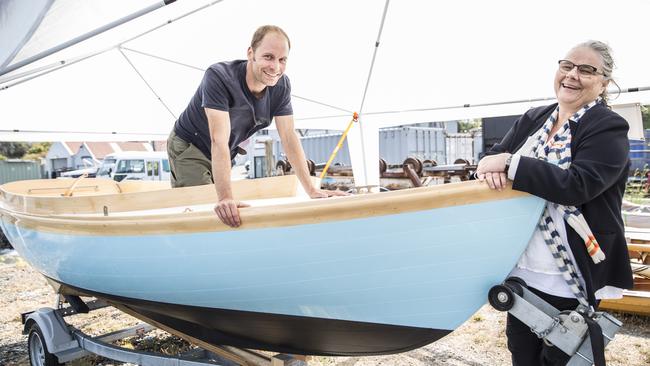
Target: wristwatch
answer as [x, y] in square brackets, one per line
[508, 161]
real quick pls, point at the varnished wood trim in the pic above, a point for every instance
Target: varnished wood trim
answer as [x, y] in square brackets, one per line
[300, 213]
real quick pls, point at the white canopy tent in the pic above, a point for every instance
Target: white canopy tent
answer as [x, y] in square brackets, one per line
[432, 60]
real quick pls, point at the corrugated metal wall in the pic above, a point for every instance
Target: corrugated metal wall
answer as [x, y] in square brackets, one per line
[319, 148]
[13, 170]
[478, 146]
[396, 144]
[460, 146]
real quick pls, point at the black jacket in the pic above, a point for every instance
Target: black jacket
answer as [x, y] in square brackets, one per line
[594, 183]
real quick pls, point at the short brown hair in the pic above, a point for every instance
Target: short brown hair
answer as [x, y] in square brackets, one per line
[263, 30]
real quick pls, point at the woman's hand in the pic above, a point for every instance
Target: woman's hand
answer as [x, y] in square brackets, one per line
[492, 169]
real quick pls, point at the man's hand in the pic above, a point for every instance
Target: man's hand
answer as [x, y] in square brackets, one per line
[228, 211]
[324, 193]
[492, 170]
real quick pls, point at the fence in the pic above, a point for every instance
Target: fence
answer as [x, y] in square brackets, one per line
[13, 170]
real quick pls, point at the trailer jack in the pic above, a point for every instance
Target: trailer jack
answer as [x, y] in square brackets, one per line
[566, 330]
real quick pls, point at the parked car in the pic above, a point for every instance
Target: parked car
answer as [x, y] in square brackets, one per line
[90, 173]
[135, 165]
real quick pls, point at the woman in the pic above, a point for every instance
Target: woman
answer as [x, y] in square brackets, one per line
[574, 154]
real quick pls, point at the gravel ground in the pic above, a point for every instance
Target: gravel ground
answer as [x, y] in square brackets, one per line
[480, 341]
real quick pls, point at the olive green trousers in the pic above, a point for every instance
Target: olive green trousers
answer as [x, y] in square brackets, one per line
[189, 167]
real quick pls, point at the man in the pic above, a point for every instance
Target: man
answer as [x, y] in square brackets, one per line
[234, 100]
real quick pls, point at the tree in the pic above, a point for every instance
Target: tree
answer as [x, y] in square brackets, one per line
[37, 150]
[22, 150]
[469, 124]
[13, 150]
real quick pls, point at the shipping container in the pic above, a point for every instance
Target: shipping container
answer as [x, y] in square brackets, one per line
[12, 170]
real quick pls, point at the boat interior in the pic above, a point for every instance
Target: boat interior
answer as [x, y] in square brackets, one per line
[90, 195]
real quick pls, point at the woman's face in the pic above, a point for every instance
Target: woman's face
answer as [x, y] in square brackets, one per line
[575, 89]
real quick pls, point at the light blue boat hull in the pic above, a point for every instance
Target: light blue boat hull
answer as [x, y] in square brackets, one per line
[427, 269]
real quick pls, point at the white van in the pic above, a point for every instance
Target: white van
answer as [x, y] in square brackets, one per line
[135, 165]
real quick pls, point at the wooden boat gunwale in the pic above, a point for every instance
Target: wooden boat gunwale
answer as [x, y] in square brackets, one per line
[88, 221]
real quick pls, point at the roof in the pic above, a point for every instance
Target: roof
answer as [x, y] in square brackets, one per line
[72, 146]
[134, 146]
[99, 149]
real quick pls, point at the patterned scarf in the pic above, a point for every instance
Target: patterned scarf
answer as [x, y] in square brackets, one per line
[558, 151]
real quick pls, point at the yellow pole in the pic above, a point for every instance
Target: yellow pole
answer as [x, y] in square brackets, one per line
[355, 118]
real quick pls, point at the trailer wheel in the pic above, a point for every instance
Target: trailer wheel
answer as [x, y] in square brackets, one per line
[382, 166]
[429, 163]
[415, 163]
[516, 284]
[283, 166]
[38, 353]
[461, 161]
[501, 297]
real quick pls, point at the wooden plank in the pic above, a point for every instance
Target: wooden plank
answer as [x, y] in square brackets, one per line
[642, 284]
[637, 235]
[635, 302]
[643, 248]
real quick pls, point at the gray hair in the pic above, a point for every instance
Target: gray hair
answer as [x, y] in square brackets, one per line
[605, 53]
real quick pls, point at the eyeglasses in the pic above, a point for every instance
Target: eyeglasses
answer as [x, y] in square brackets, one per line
[584, 70]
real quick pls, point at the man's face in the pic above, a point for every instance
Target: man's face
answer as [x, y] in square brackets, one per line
[269, 59]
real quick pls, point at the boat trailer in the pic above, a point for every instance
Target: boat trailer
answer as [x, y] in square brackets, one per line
[52, 342]
[566, 330]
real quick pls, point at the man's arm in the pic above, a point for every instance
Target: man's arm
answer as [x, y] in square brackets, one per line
[296, 155]
[226, 207]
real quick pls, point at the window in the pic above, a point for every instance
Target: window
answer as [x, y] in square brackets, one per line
[107, 165]
[152, 168]
[130, 166]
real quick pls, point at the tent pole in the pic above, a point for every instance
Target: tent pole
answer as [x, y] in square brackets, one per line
[85, 36]
[530, 100]
[365, 91]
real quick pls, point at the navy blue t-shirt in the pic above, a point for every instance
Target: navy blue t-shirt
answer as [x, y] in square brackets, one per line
[224, 88]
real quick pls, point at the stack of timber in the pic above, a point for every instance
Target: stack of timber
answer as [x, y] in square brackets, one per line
[637, 300]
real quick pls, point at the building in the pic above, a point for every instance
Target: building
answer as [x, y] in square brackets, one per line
[71, 155]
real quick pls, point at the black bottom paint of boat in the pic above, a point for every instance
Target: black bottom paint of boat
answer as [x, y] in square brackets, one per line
[275, 332]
